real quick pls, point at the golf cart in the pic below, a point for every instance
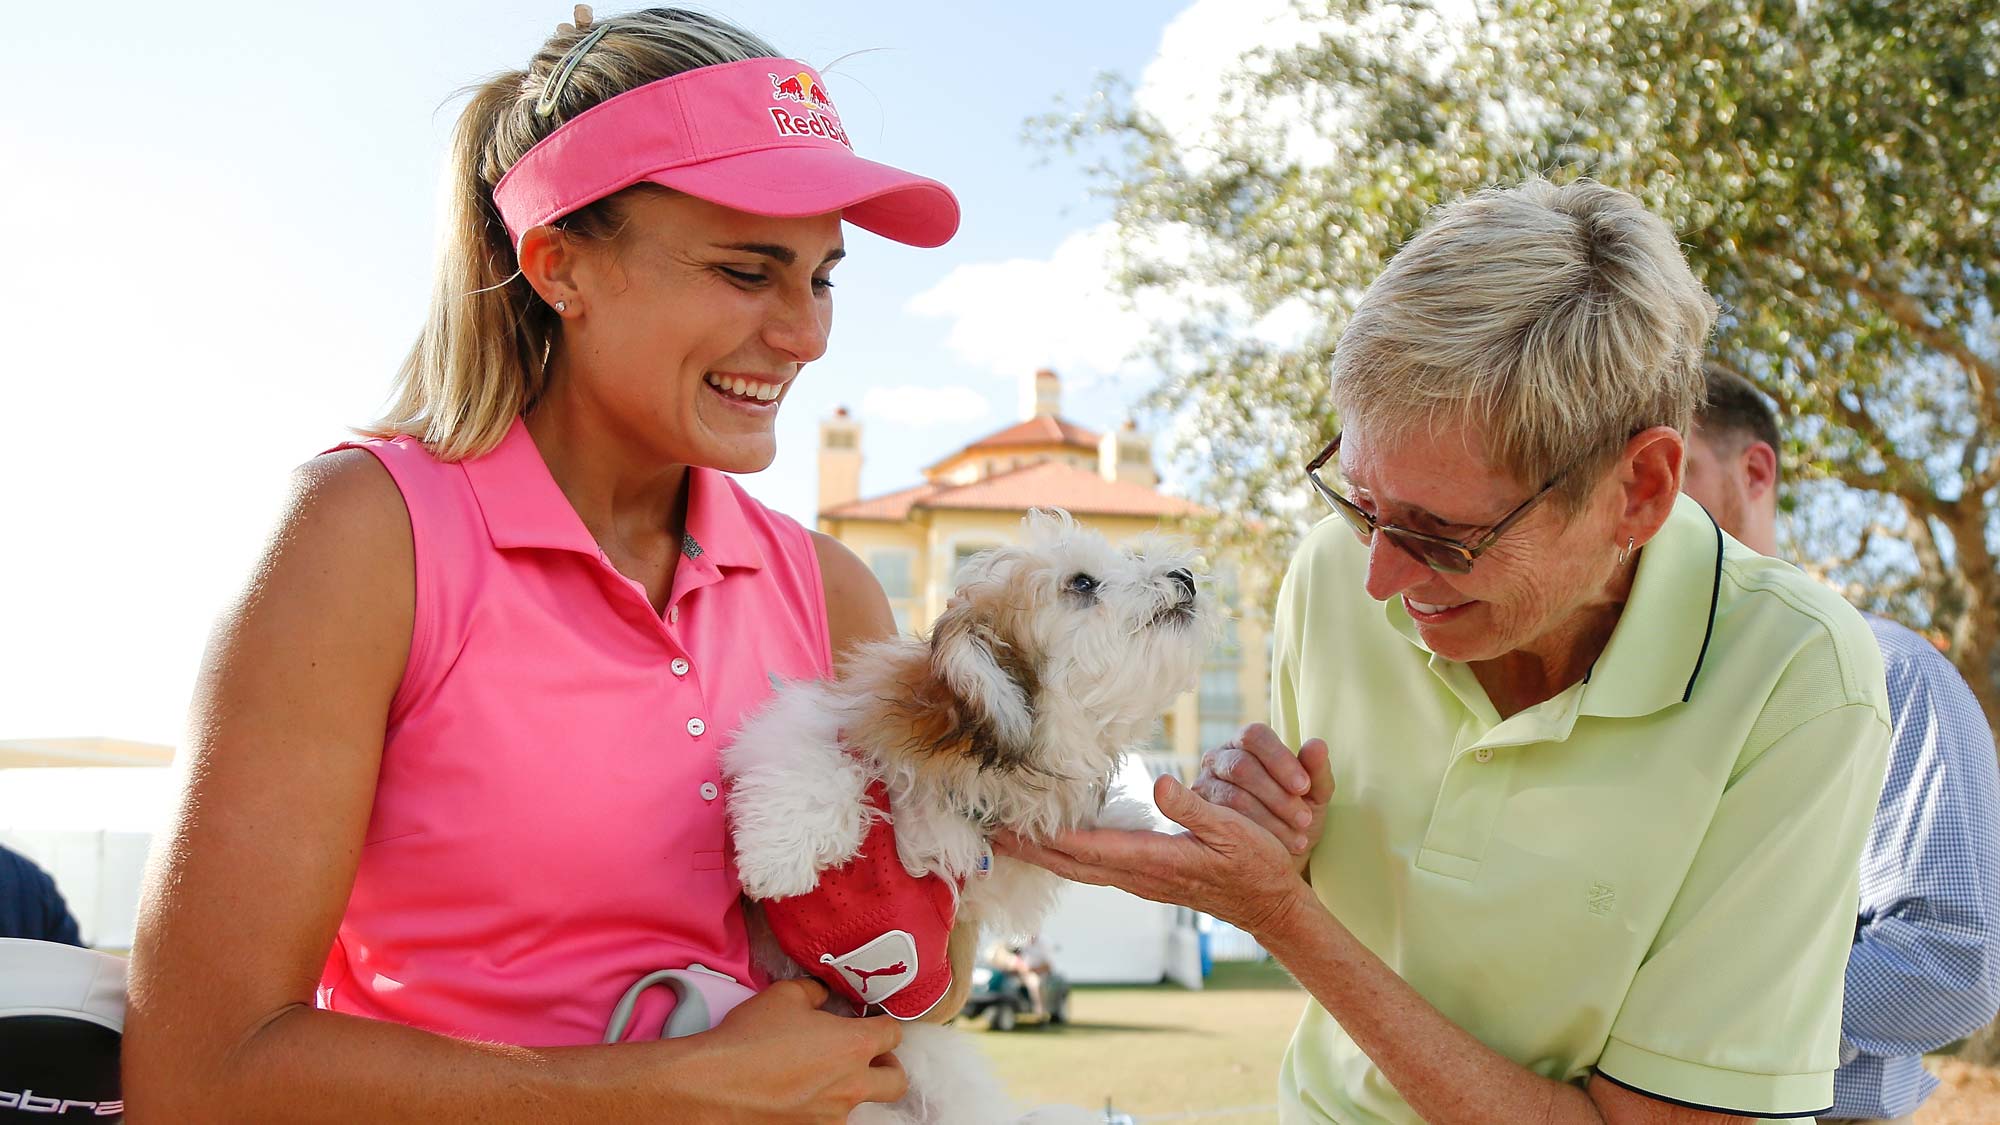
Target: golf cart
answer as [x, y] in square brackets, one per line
[1001, 996]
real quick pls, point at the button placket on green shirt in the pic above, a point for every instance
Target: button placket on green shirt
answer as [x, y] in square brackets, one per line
[1479, 779]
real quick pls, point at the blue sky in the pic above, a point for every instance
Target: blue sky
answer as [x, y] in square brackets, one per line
[223, 225]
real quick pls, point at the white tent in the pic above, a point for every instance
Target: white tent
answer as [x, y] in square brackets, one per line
[1101, 935]
[89, 828]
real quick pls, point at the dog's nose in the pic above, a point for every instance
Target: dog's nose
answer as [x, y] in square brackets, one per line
[1186, 580]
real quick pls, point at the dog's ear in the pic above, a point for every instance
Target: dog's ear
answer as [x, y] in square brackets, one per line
[1048, 525]
[992, 681]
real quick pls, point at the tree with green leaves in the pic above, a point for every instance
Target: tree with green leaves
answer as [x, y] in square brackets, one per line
[1834, 166]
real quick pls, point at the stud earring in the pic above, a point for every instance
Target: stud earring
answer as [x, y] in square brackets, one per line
[562, 306]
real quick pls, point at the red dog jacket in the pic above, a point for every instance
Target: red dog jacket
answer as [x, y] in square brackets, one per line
[870, 930]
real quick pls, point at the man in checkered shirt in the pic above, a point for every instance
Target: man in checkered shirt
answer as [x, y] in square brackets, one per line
[1925, 967]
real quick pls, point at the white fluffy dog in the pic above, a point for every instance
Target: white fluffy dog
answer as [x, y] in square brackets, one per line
[1050, 660]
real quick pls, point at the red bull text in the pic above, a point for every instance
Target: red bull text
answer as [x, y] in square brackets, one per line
[809, 125]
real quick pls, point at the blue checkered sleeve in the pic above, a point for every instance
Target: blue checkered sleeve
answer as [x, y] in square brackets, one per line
[1925, 968]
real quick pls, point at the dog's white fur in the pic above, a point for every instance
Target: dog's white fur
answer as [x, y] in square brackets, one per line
[1050, 660]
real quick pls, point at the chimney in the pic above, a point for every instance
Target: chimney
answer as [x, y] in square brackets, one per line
[1042, 397]
[1126, 454]
[839, 460]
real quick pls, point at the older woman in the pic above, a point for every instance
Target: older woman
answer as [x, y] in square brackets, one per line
[1603, 773]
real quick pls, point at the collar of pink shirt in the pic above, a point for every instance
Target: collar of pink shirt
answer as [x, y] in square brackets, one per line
[524, 508]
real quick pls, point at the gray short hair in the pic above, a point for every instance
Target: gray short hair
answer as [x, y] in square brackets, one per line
[1558, 320]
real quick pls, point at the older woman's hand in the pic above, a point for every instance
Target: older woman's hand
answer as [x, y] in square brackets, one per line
[1257, 775]
[1224, 865]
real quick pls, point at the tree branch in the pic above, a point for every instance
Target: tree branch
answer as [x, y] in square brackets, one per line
[1825, 569]
[1938, 578]
[1900, 477]
[1903, 477]
[1847, 474]
[1863, 423]
[1983, 483]
[1983, 374]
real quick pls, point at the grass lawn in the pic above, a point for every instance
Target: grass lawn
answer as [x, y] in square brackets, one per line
[1160, 1052]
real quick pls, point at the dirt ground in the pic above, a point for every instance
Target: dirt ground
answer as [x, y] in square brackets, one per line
[1970, 1095]
[1164, 1054]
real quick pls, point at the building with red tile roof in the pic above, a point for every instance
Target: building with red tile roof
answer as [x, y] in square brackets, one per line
[975, 497]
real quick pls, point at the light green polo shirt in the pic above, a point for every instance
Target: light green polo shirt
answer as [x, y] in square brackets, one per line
[1652, 875]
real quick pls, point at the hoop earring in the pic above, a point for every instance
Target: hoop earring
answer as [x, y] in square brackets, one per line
[1625, 552]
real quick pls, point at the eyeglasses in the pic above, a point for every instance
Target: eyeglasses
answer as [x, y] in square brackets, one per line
[1448, 555]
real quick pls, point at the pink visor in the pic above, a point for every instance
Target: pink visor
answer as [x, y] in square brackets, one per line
[759, 136]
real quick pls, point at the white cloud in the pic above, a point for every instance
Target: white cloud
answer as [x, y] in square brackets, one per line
[1066, 311]
[1288, 324]
[912, 405]
[1198, 73]
[1197, 84]
[1014, 316]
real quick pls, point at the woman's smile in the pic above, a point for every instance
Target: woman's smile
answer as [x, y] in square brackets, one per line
[747, 392]
[1426, 613]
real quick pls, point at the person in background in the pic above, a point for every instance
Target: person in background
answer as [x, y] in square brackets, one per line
[30, 904]
[1030, 960]
[1925, 967]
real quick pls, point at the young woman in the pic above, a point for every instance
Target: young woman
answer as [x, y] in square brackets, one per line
[453, 780]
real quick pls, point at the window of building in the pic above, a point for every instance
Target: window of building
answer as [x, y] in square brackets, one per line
[964, 551]
[1219, 688]
[1219, 694]
[840, 439]
[892, 569]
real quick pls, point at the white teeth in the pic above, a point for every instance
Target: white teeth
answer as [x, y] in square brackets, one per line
[1427, 608]
[754, 390]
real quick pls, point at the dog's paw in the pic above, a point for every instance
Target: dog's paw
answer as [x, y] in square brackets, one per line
[1125, 812]
[932, 839]
[779, 876]
[786, 834]
[797, 802]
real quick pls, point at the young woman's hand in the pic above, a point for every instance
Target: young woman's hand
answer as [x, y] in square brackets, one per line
[778, 1058]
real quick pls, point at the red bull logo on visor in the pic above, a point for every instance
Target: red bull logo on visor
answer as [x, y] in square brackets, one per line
[818, 118]
[803, 89]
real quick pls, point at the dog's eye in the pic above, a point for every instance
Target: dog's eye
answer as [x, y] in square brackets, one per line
[1082, 584]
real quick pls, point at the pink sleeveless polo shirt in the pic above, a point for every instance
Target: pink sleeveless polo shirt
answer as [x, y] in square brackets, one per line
[548, 825]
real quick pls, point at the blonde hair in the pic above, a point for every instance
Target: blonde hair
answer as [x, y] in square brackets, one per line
[481, 357]
[1560, 321]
